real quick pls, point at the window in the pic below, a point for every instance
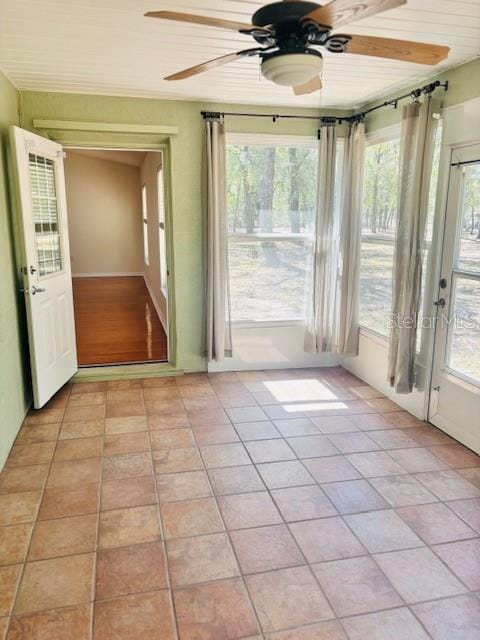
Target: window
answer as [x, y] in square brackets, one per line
[379, 219]
[161, 225]
[145, 225]
[271, 200]
[45, 213]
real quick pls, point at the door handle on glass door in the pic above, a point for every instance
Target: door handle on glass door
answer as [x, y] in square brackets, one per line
[440, 302]
[37, 290]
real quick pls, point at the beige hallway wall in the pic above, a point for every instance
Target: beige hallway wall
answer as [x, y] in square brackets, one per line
[104, 215]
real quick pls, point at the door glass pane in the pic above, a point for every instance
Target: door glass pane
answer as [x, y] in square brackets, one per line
[465, 328]
[45, 214]
[269, 280]
[469, 249]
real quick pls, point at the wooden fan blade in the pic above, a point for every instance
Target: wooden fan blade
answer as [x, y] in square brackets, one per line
[315, 84]
[340, 12]
[209, 22]
[418, 52]
[211, 64]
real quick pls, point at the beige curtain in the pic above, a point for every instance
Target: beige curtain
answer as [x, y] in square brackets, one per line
[320, 330]
[350, 230]
[416, 155]
[219, 335]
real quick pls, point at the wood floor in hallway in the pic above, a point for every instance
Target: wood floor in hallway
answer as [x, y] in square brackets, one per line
[116, 322]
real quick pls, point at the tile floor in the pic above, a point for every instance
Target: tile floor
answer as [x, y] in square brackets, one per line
[286, 505]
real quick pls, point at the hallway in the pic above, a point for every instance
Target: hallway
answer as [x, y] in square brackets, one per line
[116, 322]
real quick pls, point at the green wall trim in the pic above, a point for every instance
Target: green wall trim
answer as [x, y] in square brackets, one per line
[122, 372]
[71, 125]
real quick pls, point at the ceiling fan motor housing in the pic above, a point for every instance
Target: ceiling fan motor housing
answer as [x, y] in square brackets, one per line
[278, 13]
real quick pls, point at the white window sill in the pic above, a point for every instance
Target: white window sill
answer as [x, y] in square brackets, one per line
[265, 324]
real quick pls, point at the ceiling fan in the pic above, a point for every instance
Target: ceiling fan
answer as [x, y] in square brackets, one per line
[289, 30]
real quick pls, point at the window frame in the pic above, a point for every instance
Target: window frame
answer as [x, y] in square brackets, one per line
[379, 136]
[269, 140]
[162, 235]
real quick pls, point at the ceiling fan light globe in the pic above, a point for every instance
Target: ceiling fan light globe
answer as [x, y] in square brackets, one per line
[292, 69]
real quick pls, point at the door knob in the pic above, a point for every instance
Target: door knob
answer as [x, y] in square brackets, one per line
[440, 303]
[37, 290]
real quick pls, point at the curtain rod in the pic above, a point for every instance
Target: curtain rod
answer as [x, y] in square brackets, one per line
[357, 117]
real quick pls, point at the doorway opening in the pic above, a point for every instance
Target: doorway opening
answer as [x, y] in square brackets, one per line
[116, 227]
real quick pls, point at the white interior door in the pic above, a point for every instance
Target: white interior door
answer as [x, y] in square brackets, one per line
[46, 271]
[455, 397]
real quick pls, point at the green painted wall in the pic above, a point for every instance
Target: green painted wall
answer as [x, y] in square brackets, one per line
[186, 165]
[463, 85]
[14, 385]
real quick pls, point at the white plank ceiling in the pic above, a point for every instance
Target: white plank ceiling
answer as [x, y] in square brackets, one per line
[108, 47]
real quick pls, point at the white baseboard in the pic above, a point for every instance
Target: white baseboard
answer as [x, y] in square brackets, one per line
[156, 305]
[107, 274]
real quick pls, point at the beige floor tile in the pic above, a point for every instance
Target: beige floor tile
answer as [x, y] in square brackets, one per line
[332, 469]
[270, 451]
[86, 399]
[287, 598]
[417, 460]
[356, 585]
[200, 559]
[295, 427]
[224, 455]
[44, 416]
[337, 424]
[131, 424]
[61, 582]
[128, 492]
[82, 429]
[261, 430]
[248, 510]
[27, 454]
[127, 570]
[136, 617]
[418, 575]
[468, 510]
[448, 485]
[14, 541]
[451, 619]
[9, 577]
[227, 480]
[435, 523]
[402, 491]
[381, 531]
[38, 433]
[463, 558]
[266, 549]
[312, 446]
[172, 439]
[399, 624]
[353, 496]
[456, 456]
[375, 463]
[71, 623]
[277, 475]
[209, 417]
[133, 525]
[205, 403]
[74, 474]
[303, 503]
[63, 537]
[321, 631]
[187, 485]
[127, 465]
[191, 518]
[78, 449]
[126, 443]
[174, 460]
[161, 393]
[217, 610]
[18, 479]
[172, 407]
[17, 508]
[393, 439]
[159, 422]
[62, 503]
[77, 414]
[125, 409]
[326, 539]
[215, 434]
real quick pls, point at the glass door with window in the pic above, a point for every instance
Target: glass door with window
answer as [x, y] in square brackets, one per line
[455, 397]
